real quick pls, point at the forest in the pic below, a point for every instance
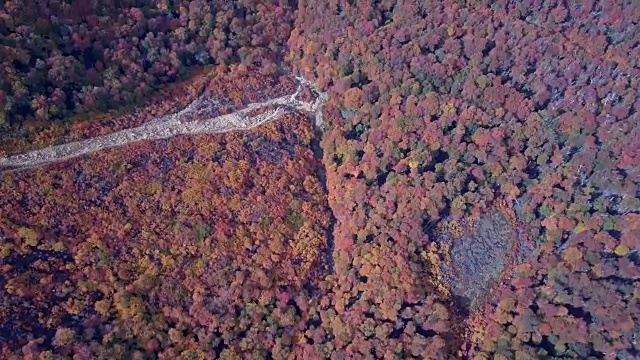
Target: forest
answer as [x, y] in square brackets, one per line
[473, 192]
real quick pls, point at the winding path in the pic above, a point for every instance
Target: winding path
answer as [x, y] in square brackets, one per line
[173, 125]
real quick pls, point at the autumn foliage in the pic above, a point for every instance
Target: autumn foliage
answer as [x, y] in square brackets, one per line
[441, 109]
[482, 170]
[188, 247]
[232, 87]
[60, 58]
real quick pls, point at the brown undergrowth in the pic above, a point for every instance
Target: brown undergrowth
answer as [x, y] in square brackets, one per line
[469, 258]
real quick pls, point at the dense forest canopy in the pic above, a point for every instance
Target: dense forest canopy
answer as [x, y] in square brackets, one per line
[474, 192]
[59, 58]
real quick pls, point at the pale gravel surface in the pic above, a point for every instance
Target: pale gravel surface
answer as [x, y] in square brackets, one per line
[172, 125]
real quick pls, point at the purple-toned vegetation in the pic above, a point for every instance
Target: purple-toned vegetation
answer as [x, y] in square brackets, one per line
[481, 165]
